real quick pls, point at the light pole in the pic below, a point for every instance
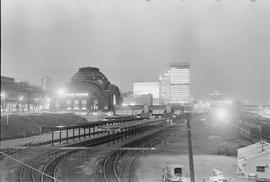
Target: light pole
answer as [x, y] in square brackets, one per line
[190, 152]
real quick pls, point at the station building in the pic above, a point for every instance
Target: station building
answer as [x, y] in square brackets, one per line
[89, 90]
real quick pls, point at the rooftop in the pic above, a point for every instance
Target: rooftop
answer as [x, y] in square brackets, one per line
[254, 150]
[180, 64]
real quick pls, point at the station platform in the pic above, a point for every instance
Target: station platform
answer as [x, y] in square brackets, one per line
[114, 129]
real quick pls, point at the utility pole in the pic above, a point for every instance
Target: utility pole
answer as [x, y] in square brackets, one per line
[190, 153]
[260, 127]
[7, 119]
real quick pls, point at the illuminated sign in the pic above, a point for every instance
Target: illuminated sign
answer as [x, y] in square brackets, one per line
[69, 95]
[76, 94]
[81, 94]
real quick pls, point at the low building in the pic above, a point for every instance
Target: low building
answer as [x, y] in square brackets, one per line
[145, 88]
[132, 100]
[7, 84]
[19, 96]
[254, 160]
[253, 126]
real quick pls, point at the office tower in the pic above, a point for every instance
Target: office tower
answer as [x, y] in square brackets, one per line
[180, 83]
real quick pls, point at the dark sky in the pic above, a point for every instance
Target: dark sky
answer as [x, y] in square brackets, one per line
[226, 41]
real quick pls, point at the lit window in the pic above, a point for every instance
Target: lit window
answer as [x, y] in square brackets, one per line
[84, 104]
[76, 104]
[95, 104]
[68, 104]
[260, 168]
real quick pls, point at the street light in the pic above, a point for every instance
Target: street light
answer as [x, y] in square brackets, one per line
[61, 92]
[3, 95]
[48, 99]
[221, 115]
[47, 102]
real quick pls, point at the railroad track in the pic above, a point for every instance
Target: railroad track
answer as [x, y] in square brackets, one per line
[42, 168]
[51, 167]
[127, 168]
[34, 168]
[126, 173]
[109, 169]
[119, 166]
[7, 152]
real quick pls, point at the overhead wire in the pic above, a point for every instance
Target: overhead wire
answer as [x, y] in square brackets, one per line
[55, 179]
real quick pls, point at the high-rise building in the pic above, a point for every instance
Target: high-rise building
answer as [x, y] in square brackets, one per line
[164, 88]
[145, 88]
[180, 83]
[46, 83]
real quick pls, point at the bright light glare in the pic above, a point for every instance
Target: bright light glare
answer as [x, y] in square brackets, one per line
[132, 104]
[3, 95]
[221, 114]
[61, 92]
[21, 98]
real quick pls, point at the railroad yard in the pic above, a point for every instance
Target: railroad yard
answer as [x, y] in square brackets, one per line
[104, 163]
[135, 91]
[44, 163]
[208, 153]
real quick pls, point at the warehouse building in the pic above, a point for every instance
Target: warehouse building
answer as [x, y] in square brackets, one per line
[254, 160]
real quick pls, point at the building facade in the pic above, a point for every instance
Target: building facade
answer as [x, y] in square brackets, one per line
[164, 83]
[145, 88]
[179, 83]
[254, 161]
[89, 90]
[132, 100]
[20, 96]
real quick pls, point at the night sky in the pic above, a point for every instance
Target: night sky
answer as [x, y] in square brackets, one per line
[227, 42]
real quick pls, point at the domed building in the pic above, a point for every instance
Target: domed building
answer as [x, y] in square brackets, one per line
[89, 89]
